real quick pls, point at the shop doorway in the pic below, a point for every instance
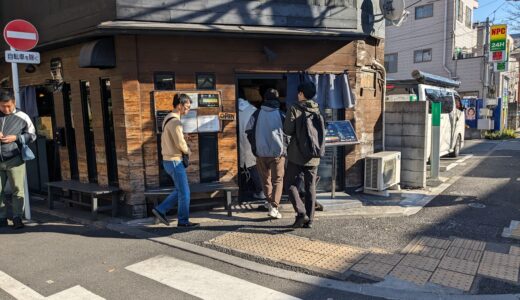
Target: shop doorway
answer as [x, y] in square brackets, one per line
[108, 125]
[88, 131]
[46, 166]
[70, 132]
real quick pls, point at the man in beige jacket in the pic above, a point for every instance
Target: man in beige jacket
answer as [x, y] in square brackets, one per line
[174, 147]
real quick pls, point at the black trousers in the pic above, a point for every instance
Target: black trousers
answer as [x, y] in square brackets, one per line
[293, 176]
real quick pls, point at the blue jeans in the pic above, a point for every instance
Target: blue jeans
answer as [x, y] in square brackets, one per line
[180, 195]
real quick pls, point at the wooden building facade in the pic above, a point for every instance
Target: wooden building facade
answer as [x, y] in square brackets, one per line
[103, 113]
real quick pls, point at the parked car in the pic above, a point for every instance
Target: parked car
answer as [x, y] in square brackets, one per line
[452, 115]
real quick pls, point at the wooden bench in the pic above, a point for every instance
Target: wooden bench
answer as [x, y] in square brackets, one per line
[91, 189]
[226, 188]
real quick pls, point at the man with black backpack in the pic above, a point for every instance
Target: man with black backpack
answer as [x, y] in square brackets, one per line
[305, 125]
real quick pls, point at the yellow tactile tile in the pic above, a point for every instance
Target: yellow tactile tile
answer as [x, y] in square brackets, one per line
[493, 258]
[427, 251]
[349, 253]
[469, 244]
[465, 254]
[434, 242]
[334, 263]
[319, 247]
[417, 276]
[499, 272]
[452, 279]
[372, 268]
[514, 250]
[391, 259]
[459, 265]
[303, 257]
[420, 262]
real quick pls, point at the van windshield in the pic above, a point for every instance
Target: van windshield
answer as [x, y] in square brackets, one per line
[401, 92]
[440, 96]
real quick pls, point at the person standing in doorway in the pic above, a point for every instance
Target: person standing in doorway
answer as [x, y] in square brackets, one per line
[174, 152]
[16, 129]
[269, 144]
[305, 125]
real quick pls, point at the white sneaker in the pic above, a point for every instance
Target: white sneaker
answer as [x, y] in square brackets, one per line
[274, 213]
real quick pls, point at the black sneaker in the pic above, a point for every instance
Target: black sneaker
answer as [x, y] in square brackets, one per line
[17, 223]
[300, 221]
[308, 224]
[189, 224]
[3, 222]
[161, 217]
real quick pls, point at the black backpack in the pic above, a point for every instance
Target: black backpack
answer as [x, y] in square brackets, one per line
[311, 136]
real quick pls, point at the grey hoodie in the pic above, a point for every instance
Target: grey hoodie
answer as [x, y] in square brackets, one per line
[269, 137]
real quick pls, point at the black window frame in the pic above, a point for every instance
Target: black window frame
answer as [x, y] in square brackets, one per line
[205, 74]
[159, 73]
[388, 70]
[422, 52]
[423, 7]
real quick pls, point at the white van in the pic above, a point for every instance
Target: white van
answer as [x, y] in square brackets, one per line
[452, 115]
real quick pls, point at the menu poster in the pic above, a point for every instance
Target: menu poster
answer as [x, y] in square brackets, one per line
[209, 123]
[194, 100]
[209, 100]
[189, 122]
[340, 133]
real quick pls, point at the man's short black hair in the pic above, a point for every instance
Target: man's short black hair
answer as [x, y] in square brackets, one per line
[181, 99]
[308, 89]
[6, 95]
[271, 94]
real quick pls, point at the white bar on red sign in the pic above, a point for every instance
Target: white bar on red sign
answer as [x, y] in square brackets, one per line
[21, 35]
[22, 57]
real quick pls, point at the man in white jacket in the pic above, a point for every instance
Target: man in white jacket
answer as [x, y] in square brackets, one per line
[247, 159]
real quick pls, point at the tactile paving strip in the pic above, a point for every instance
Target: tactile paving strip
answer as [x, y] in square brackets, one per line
[493, 258]
[499, 272]
[319, 247]
[459, 265]
[420, 262]
[469, 244]
[434, 242]
[334, 263]
[303, 257]
[372, 268]
[349, 253]
[465, 254]
[419, 277]
[514, 250]
[452, 279]
[390, 259]
[427, 251]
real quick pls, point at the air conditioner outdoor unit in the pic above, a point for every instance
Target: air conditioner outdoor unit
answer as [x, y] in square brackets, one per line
[382, 170]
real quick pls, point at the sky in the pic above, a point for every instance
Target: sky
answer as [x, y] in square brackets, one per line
[496, 9]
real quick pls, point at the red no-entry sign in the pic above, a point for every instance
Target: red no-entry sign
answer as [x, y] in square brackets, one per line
[21, 35]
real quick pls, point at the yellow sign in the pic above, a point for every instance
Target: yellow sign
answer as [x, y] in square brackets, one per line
[498, 32]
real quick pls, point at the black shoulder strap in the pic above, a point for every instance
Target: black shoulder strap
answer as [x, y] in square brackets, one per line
[255, 116]
[166, 122]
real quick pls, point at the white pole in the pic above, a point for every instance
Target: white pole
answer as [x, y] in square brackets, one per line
[16, 89]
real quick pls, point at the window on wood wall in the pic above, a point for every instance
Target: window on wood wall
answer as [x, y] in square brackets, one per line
[205, 81]
[164, 81]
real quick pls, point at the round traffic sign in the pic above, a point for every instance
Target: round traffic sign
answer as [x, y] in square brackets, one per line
[21, 35]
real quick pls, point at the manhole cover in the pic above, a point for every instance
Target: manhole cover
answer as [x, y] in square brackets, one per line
[477, 205]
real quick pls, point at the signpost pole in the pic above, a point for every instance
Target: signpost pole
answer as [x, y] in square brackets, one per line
[436, 139]
[16, 90]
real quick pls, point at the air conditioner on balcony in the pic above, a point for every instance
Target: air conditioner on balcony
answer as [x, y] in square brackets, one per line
[382, 170]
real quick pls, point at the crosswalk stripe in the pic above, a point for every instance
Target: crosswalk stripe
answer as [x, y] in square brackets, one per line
[22, 292]
[202, 282]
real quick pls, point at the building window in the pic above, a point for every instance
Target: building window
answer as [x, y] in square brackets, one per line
[391, 63]
[205, 81]
[424, 11]
[423, 55]
[460, 10]
[468, 17]
[164, 81]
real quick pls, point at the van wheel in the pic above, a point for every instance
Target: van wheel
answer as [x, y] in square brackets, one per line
[456, 150]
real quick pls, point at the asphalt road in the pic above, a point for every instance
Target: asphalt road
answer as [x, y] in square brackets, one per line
[53, 256]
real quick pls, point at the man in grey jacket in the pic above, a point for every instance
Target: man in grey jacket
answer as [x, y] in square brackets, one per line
[269, 144]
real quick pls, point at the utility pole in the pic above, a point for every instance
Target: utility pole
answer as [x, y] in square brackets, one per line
[486, 62]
